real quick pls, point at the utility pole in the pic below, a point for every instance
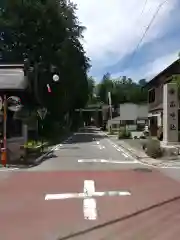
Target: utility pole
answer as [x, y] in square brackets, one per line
[110, 108]
[4, 150]
[110, 104]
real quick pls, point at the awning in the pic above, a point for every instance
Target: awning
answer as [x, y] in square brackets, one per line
[12, 78]
[154, 115]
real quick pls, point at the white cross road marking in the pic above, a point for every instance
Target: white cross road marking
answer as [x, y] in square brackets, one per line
[106, 161]
[89, 203]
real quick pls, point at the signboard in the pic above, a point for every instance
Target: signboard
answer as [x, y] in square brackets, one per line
[170, 113]
[42, 113]
[173, 115]
[14, 103]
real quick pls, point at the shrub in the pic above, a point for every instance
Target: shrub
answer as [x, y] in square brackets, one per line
[111, 131]
[124, 134]
[153, 148]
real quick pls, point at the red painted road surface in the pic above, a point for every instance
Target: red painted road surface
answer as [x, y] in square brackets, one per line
[25, 215]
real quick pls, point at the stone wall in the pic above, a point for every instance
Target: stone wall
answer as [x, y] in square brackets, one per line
[14, 151]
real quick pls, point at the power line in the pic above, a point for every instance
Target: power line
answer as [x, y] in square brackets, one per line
[145, 3]
[142, 11]
[148, 27]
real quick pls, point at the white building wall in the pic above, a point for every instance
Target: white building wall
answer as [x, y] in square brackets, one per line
[142, 111]
[131, 111]
[128, 111]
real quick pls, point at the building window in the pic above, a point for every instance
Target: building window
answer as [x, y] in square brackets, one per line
[115, 126]
[151, 96]
[130, 122]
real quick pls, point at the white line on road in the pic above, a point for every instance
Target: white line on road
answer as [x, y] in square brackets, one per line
[175, 167]
[89, 203]
[101, 147]
[105, 161]
[126, 156]
[118, 148]
[8, 169]
[158, 166]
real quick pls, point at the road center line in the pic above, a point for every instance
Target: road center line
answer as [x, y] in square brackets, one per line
[89, 202]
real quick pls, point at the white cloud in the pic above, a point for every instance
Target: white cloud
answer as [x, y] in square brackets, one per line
[160, 64]
[114, 27]
[150, 69]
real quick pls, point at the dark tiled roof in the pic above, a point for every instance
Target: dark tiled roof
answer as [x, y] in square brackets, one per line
[12, 77]
[158, 107]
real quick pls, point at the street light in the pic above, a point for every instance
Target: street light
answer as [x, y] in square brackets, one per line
[55, 78]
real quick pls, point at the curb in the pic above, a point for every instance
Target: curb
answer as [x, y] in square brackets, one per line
[148, 160]
[126, 149]
[132, 152]
[41, 158]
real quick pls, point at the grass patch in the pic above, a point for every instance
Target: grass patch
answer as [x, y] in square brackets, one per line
[35, 144]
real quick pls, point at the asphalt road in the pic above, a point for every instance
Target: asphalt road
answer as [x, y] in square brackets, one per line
[89, 189]
[89, 149]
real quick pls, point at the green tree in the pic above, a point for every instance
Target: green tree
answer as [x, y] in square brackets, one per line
[142, 82]
[47, 33]
[122, 89]
[104, 87]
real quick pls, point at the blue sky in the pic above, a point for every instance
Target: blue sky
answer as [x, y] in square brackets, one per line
[114, 29]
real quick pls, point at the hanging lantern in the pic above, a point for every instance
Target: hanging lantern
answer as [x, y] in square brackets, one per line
[49, 88]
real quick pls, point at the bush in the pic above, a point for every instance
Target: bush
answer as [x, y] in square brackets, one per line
[153, 148]
[111, 131]
[124, 134]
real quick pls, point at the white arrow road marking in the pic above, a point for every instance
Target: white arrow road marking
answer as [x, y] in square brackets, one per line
[105, 161]
[89, 202]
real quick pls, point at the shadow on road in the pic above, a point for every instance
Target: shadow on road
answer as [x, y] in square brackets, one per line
[117, 220]
[86, 135]
[143, 170]
[71, 148]
[33, 163]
